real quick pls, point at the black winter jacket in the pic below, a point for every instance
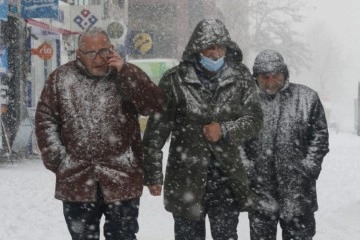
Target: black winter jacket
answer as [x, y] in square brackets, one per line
[284, 160]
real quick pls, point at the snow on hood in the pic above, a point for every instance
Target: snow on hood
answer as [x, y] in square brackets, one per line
[209, 32]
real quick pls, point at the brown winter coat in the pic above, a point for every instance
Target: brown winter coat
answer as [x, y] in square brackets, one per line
[87, 130]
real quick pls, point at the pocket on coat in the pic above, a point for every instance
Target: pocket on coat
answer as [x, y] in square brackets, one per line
[127, 160]
[69, 168]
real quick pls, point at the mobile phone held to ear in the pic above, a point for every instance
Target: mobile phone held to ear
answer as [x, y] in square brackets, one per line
[112, 71]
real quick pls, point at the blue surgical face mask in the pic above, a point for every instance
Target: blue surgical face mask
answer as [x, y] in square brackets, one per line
[211, 65]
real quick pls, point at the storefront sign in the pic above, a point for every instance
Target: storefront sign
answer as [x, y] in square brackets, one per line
[139, 43]
[84, 18]
[13, 8]
[39, 8]
[3, 10]
[45, 51]
[3, 59]
[4, 97]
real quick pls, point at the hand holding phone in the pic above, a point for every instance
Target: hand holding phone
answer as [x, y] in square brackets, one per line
[115, 61]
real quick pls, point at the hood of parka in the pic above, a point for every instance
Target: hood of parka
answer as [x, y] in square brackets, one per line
[270, 61]
[209, 32]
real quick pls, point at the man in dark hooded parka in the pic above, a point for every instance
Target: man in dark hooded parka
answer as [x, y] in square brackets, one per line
[211, 110]
[284, 160]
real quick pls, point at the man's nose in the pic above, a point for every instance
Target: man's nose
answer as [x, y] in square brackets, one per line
[98, 58]
[216, 54]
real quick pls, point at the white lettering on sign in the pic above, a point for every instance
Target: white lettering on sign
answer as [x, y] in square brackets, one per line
[46, 50]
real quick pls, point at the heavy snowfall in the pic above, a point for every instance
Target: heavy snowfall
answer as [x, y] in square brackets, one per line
[29, 211]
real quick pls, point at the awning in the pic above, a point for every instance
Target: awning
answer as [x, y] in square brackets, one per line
[49, 27]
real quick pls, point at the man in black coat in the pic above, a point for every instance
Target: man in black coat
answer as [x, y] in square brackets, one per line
[212, 108]
[284, 160]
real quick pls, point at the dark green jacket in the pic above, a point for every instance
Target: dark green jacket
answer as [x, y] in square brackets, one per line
[189, 107]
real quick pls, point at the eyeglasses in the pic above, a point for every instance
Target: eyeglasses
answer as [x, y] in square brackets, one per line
[104, 52]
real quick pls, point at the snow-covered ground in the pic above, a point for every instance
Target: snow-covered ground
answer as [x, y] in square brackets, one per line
[28, 210]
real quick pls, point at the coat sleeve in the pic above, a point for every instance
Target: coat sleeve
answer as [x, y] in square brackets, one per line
[48, 126]
[157, 131]
[250, 121]
[136, 87]
[318, 141]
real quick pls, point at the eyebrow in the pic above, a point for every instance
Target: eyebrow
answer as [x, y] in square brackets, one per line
[215, 45]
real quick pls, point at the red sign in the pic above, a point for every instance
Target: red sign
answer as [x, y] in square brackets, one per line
[44, 51]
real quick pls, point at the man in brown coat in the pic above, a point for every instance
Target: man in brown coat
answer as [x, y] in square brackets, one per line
[88, 134]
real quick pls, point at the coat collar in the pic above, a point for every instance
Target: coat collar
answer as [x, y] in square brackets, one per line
[188, 75]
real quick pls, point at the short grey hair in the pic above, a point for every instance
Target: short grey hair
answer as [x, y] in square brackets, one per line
[94, 31]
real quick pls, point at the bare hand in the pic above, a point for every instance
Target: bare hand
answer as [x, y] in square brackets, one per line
[115, 61]
[212, 132]
[155, 190]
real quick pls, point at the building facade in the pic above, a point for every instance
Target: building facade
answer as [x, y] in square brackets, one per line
[168, 22]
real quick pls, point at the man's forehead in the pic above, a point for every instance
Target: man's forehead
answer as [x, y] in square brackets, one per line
[95, 36]
[269, 74]
[92, 41]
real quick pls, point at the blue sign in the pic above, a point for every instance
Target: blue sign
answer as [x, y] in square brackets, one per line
[13, 9]
[3, 59]
[3, 10]
[39, 8]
